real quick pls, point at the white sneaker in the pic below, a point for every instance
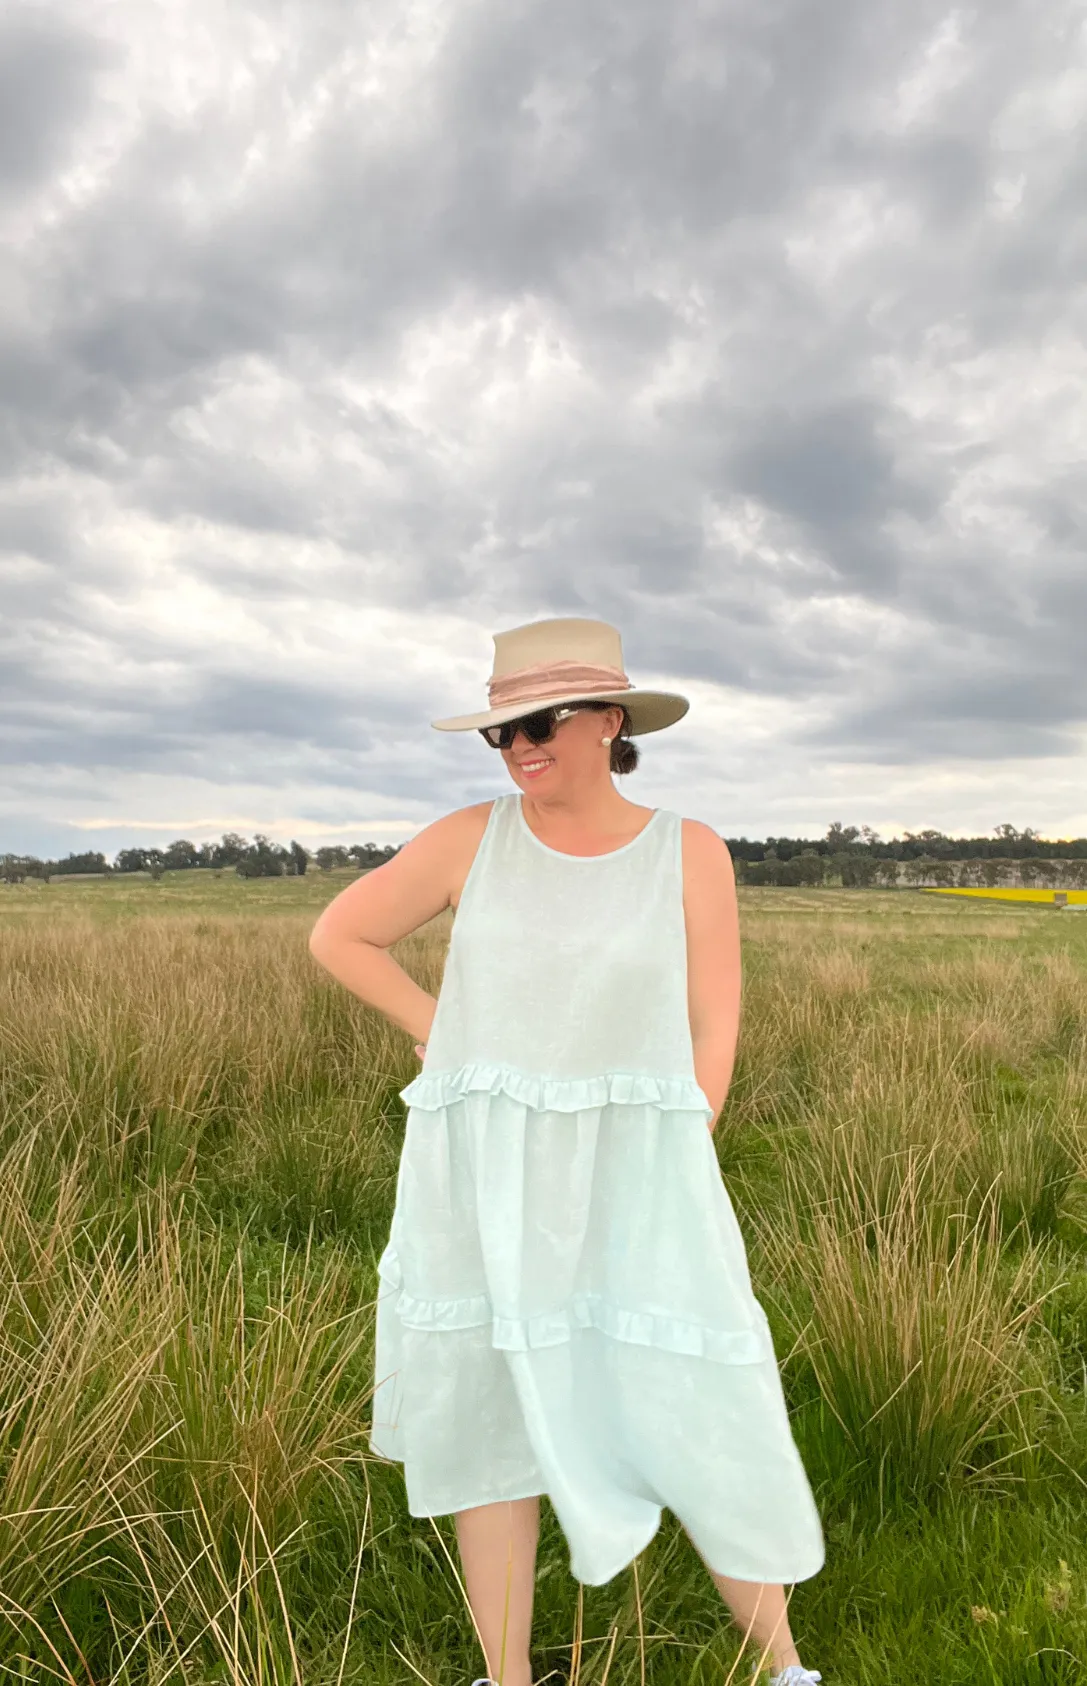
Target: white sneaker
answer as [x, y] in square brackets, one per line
[794, 1675]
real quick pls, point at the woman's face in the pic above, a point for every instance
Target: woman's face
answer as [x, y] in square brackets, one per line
[574, 754]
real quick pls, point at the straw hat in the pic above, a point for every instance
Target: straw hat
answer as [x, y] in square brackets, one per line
[565, 660]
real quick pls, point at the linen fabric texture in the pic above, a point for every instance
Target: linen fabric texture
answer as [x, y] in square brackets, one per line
[564, 1302]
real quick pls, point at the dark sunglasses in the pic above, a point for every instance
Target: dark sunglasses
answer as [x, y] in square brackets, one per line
[538, 727]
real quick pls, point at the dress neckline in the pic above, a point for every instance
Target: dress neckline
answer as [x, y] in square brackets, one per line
[564, 854]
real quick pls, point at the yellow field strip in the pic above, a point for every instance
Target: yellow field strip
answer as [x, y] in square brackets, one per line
[1069, 898]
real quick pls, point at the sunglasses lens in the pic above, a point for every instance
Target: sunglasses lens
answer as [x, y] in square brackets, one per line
[537, 728]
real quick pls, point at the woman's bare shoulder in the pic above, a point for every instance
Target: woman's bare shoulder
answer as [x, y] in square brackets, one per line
[459, 823]
[706, 858]
[466, 830]
[481, 811]
[424, 877]
[703, 836]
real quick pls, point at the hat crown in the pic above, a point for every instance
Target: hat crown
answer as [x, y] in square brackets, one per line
[566, 638]
[564, 659]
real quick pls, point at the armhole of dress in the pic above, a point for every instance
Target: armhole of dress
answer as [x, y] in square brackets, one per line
[681, 916]
[476, 867]
[677, 826]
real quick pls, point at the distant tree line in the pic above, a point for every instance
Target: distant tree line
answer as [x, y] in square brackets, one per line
[857, 857]
[1005, 843]
[260, 858]
[853, 856]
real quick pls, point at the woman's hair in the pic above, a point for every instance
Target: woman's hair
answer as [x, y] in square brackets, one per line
[624, 752]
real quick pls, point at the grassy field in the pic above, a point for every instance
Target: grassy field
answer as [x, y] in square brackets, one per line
[199, 1134]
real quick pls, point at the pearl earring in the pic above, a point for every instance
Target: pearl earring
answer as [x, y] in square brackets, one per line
[605, 740]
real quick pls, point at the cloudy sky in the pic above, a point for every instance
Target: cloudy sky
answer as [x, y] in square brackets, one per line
[336, 337]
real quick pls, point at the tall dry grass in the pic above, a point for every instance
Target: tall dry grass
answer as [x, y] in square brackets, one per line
[914, 1329]
[198, 1145]
[167, 1429]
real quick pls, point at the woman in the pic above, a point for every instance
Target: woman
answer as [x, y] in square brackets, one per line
[565, 1305]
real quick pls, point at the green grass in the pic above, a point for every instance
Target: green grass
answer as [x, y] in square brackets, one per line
[194, 890]
[199, 1137]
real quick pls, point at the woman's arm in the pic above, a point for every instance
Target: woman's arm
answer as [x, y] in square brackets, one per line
[353, 934]
[713, 959]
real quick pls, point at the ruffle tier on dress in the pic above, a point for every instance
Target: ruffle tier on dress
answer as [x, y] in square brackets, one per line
[565, 1308]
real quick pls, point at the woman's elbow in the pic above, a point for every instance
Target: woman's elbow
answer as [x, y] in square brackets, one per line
[321, 939]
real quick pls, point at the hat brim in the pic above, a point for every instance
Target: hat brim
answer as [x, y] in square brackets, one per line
[650, 711]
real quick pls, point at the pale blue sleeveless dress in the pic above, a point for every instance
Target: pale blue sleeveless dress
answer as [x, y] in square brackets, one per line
[564, 1302]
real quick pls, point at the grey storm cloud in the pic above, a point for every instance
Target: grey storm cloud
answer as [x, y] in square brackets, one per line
[790, 319]
[48, 70]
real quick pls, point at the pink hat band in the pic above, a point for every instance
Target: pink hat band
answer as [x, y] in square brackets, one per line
[548, 679]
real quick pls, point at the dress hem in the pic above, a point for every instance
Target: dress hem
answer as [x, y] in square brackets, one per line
[776, 1577]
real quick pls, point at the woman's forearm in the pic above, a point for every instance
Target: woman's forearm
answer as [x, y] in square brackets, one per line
[714, 1058]
[375, 977]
